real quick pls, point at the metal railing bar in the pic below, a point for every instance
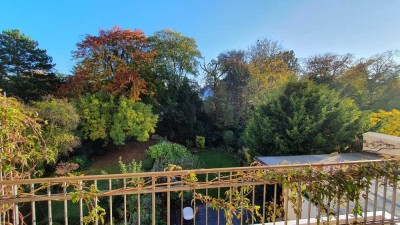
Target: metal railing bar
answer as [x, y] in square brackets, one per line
[338, 208]
[375, 197]
[299, 204]
[385, 184]
[264, 193]
[219, 196]
[366, 197]
[95, 202]
[182, 193]
[207, 203]
[80, 205]
[286, 204]
[49, 209]
[139, 209]
[110, 201]
[241, 205]
[230, 188]
[194, 210]
[125, 210]
[252, 202]
[181, 172]
[347, 210]
[128, 191]
[275, 196]
[15, 205]
[394, 196]
[153, 203]
[33, 207]
[168, 203]
[65, 204]
[309, 209]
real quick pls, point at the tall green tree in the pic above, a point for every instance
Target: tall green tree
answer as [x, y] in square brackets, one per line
[177, 55]
[182, 116]
[176, 98]
[236, 76]
[305, 118]
[26, 71]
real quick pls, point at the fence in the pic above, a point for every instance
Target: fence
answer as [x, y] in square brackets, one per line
[308, 194]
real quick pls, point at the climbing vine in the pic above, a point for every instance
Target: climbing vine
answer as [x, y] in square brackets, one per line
[335, 184]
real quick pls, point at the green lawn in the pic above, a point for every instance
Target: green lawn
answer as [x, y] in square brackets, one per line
[216, 159]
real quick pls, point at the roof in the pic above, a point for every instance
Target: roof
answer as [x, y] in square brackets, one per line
[322, 158]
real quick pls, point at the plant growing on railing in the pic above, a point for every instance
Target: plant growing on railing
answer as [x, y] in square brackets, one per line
[335, 184]
[88, 195]
[277, 214]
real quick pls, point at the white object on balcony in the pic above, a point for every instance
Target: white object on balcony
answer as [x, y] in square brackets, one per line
[188, 213]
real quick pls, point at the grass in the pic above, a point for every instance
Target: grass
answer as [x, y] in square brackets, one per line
[216, 159]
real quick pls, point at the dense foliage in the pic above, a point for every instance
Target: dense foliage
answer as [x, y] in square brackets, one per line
[181, 115]
[105, 117]
[126, 86]
[59, 121]
[177, 55]
[111, 62]
[386, 122]
[166, 153]
[305, 119]
[23, 149]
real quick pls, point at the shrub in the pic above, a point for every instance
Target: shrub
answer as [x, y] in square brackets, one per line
[386, 122]
[165, 153]
[59, 123]
[200, 142]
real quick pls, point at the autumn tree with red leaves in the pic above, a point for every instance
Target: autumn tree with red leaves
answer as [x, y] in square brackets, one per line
[113, 61]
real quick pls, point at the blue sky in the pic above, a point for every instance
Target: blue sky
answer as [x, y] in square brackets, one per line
[361, 27]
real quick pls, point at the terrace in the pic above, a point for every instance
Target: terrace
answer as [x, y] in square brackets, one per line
[334, 192]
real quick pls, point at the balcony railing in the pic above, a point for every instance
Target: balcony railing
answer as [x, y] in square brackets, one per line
[288, 194]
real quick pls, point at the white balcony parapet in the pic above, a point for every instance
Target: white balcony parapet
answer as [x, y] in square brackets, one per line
[381, 144]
